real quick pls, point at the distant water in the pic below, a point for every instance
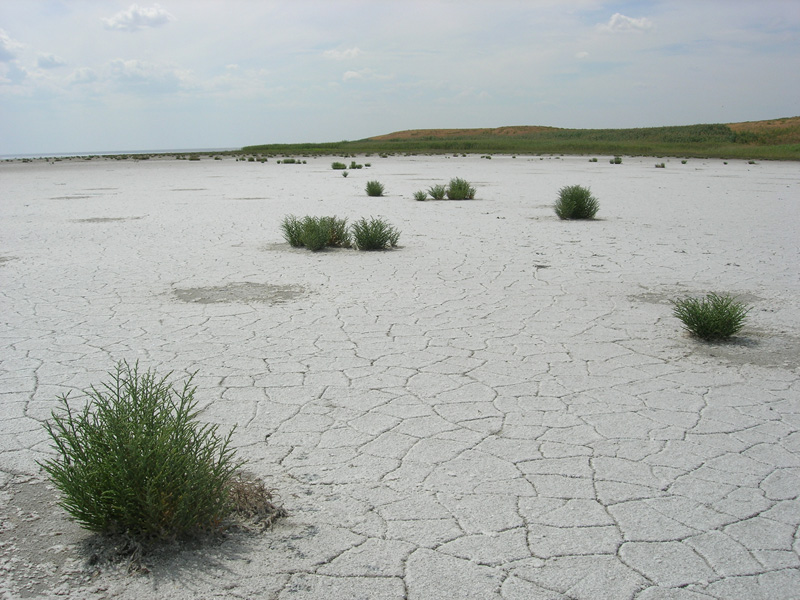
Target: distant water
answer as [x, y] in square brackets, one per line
[115, 153]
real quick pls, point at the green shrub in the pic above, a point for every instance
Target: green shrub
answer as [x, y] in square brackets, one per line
[617, 160]
[592, 160]
[135, 460]
[437, 192]
[374, 188]
[420, 195]
[660, 166]
[683, 162]
[459, 189]
[338, 232]
[375, 234]
[292, 229]
[338, 165]
[717, 316]
[345, 174]
[289, 161]
[576, 202]
[316, 233]
[355, 165]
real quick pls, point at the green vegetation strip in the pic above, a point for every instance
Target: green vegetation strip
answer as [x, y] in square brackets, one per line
[713, 140]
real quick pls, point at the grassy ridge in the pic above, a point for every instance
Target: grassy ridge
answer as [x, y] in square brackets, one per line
[777, 139]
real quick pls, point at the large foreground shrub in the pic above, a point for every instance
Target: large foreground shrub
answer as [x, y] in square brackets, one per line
[576, 202]
[715, 317]
[136, 461]
[375, 234]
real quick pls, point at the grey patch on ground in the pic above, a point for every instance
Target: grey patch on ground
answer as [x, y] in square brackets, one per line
[778, 349]
[44, 554]
[667, 297]
[241, 292]
[5, 259]
[106, 219]
[76, 197]
[755, 347]
[190, 190]
[38, 542]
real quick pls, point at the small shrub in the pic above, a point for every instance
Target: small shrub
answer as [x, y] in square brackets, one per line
[437, 192]
[715, 317]
[320, 232]
[135, 461]
[460, 189]
[290, 161]
[338, 166]
[338, 232]
[355, 165]
[345, 174]
[375, 234]
[660, 166]
[420, 195]
[592, 160]
[292, 229]
[683, 162]
[576, 202]
[367, 164]
[315, 233]
[374, 188]
[749, 162]
[617, 160]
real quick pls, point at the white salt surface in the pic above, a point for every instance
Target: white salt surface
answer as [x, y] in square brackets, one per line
[502, 407]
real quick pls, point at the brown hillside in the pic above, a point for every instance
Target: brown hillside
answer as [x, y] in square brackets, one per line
[777, 131]
[774, 131]
[511, 131]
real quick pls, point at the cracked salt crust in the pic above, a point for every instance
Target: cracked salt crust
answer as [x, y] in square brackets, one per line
[449, 420]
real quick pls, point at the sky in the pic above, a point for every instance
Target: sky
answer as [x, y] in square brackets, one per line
[82, 76]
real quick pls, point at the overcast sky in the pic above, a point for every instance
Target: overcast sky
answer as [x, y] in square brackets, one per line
[104, 75]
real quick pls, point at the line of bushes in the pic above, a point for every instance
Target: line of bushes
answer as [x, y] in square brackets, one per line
[317, 233]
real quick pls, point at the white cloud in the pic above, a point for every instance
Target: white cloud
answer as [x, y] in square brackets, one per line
[342, 54]
[8, 47]
[364, 74]
[49, 61]
[621, 23]
[138, 17]
[582, 55]
[146, 75]
[83, 75]
[348, 75]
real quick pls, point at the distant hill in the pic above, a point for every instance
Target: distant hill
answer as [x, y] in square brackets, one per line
[773, 139]
[776, 131]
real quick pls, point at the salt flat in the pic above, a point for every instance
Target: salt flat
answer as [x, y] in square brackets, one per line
[502, 407]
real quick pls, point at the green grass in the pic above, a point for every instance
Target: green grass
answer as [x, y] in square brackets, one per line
[338, 166]
[576, 202]
[460, 189]
[421, 195]
[374, 234]
[135, 460]
[715, 317]
[374, 188]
